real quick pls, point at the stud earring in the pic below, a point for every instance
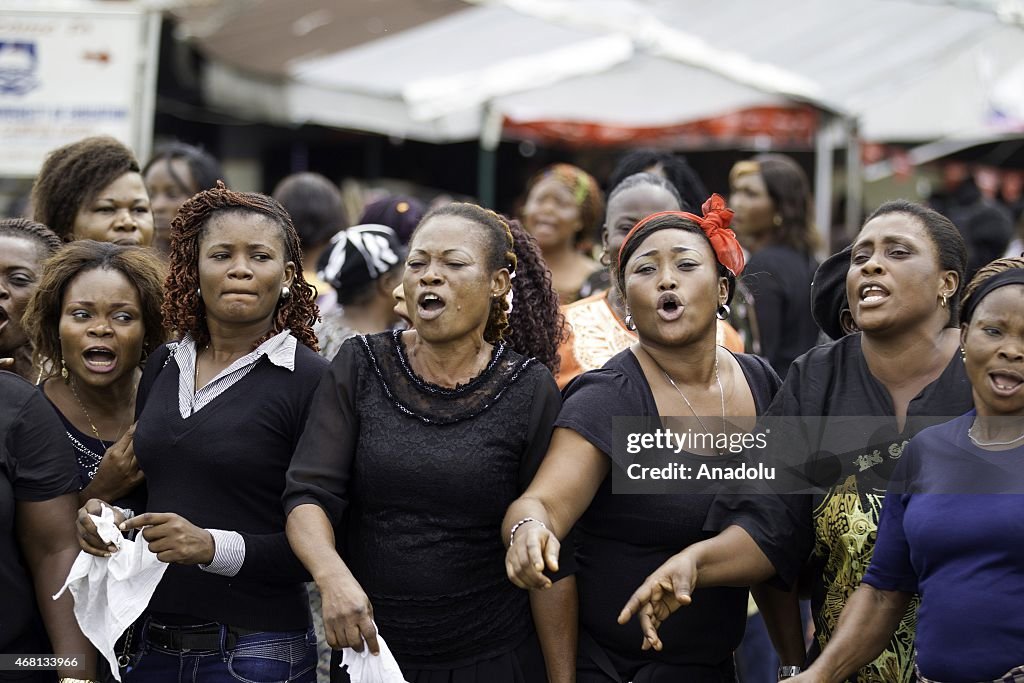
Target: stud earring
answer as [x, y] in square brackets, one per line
[285, 292]
[629, 322]
[199, 292]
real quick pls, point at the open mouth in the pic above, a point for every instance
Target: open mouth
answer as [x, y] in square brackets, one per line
[430, 305]
[670, 307]
[1006, 381]
[871, 293]
[99, 359]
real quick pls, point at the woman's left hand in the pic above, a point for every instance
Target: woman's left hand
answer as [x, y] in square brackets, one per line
[173, 538]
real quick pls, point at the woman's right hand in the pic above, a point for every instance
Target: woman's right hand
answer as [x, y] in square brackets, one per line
[348, 614]
[118, 473]
[88, 538]
[533, 548]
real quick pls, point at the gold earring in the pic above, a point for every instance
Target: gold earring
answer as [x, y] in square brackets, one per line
[65, 375]
[945, 300]
[777, 220]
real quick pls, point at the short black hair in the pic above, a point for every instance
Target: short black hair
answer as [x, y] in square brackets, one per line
[689, 186]
[315, 205]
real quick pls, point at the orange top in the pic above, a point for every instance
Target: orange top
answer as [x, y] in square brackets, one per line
[595, 335]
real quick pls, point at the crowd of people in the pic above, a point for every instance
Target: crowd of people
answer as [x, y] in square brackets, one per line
[409, 428]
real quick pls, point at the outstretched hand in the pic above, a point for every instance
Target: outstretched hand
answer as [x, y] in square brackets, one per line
[534, 548]
[661, 594]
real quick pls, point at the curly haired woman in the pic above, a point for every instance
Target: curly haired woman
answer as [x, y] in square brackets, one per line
[219, 415]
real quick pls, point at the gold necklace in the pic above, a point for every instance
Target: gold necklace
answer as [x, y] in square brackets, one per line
[95, 432]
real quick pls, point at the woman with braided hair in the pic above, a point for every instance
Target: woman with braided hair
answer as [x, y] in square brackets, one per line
[219, 414]
[417, 441]
[563, 203]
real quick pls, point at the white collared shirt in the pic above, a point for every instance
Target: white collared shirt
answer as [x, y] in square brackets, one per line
[279, 350]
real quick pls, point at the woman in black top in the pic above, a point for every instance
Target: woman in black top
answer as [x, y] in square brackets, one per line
[93, 320]
[219, 415]
[417, 443]
[676, 272]
[38, 487]
[878, 388]
[772, 200]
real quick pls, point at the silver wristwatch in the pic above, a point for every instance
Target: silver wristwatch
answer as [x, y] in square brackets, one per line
[788, 671]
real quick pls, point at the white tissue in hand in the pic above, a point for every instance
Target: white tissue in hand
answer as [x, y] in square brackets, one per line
[364, 667]
[106, 528]
[111, 592]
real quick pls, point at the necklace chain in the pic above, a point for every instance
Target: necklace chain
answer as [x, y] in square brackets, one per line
[983, 444]
[721, 392]
[95, 432]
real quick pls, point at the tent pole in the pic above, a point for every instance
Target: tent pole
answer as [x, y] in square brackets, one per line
[854, 180]
[824, 145]
[487, 157]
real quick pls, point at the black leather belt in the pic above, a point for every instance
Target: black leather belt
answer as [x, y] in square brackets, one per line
[182, 638]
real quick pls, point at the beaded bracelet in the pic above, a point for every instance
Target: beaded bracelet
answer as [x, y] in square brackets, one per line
[524, 520]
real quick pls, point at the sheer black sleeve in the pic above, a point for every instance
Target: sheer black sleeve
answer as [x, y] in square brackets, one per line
[321, 468]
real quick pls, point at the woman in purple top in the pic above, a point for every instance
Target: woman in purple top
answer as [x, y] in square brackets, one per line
[951, 527]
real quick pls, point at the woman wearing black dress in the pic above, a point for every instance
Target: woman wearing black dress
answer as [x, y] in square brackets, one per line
[417, 443]
[900, 373]
[676, 272]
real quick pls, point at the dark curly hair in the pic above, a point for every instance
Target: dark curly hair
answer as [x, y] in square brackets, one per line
[73, 175]
[536, 324]
[140, 265]
[183, 305]
[500, 251]
[46, 240]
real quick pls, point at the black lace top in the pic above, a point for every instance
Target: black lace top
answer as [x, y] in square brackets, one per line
[420, 476]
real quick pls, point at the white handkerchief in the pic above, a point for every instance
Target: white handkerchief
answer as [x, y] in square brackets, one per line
[366, 668]
[111, 592]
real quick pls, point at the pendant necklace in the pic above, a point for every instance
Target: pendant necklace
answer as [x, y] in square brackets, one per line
[721, 393]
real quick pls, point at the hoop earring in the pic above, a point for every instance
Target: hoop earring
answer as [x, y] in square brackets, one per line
[285, 292]
[605, 259]
[629, 322]
[723, 312]
[945, 300]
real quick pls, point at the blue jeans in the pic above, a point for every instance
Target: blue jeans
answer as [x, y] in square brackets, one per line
[264, 657]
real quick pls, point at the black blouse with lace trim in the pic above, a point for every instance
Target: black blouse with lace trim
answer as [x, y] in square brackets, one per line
[419, 477]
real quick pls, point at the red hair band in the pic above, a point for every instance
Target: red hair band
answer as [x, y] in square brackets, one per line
[715, 226]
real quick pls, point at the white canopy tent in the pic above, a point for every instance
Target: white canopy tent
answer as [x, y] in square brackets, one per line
[900, 69]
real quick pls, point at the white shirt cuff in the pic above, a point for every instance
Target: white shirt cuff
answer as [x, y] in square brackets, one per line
[228, 553]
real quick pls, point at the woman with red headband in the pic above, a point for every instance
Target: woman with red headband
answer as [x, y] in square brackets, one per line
[676, 272]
